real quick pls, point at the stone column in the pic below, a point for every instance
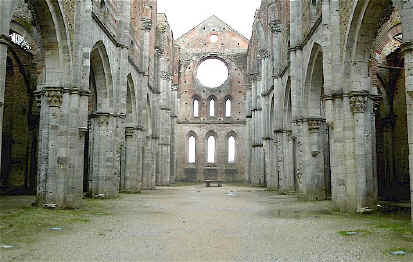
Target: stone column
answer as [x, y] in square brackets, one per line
[52, 148]
[3, 62]
[140, 136]
[314, 173]
[407, 49]
[165, 127]
[130, 180]
[103, 180]
[364, 197]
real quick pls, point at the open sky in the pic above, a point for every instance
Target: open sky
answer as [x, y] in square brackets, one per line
[183, 15]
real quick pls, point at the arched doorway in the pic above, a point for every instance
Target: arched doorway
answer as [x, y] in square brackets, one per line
[34, 68]
[130, 180]
[392, 147]
[20, 125]
[100, 177]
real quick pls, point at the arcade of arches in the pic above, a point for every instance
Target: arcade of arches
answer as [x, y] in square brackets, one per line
[97, 98]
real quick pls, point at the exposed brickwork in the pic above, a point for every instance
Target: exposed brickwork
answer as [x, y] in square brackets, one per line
[195, 46]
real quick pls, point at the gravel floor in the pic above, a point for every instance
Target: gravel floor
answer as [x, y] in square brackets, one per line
[194, 223]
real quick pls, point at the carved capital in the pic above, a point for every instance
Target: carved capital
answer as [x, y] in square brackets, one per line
[102, 118]
[130, 131]
[54, 97]
[358, 103]
[253, 77]
[264, 53]
[159, 51]
[146, 24]
[314, 124]
[163, 28]
[165, 75]
[275, 26]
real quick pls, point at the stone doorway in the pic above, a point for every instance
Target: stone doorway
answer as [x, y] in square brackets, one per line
[391, 133]
[20, 126]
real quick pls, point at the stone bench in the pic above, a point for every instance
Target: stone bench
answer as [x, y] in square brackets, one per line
[208, 182]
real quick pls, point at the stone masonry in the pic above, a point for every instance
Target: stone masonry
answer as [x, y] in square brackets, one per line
[97, 98]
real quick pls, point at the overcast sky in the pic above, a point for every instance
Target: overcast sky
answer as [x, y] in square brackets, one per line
[183, 15]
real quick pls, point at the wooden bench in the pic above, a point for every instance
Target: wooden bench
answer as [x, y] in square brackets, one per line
[208, 182]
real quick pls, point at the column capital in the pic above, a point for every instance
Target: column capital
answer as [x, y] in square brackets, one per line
[253, 77]
[54, 94]
[146, 24]
[130, 131]
[164, 75]
[314, 124]
[264, 53]
[358, 102]
[275, 26]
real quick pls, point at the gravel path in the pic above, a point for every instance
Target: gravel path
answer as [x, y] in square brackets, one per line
[194, 223]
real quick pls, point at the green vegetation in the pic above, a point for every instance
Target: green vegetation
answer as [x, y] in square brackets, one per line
[21, 225]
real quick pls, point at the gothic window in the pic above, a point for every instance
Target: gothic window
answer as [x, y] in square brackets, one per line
[191, 150]
[231, 149]
[211, 149]
[196, 107]
[212, 107]
[228, 107]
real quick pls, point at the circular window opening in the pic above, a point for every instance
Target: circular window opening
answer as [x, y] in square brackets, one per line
[212, 73]
[213, 38]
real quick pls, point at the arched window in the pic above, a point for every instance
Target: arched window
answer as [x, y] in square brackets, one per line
[191, 150]
[228, 107]
[196, 107]
[212, 107]
[231, 149]
[211, 149]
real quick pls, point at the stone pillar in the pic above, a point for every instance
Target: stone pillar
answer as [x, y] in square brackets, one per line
[165, 126]
[130, 180]
[407, 49]
[314, 182]
[362, 180]
[140, 136]
[52, 148]
[3, 62]
[103, 180]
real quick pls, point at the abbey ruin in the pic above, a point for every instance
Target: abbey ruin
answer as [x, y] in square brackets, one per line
[98, 97]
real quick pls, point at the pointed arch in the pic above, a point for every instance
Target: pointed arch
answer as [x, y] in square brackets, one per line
[191, 147]
[102, 76]
[131, 108]
[228, 106]
[211, 148]
[358, 42]
[314, 84]
[196, 106]
[232, 146]
[212, 106]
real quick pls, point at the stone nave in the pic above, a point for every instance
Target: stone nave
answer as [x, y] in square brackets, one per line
[99, 98]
